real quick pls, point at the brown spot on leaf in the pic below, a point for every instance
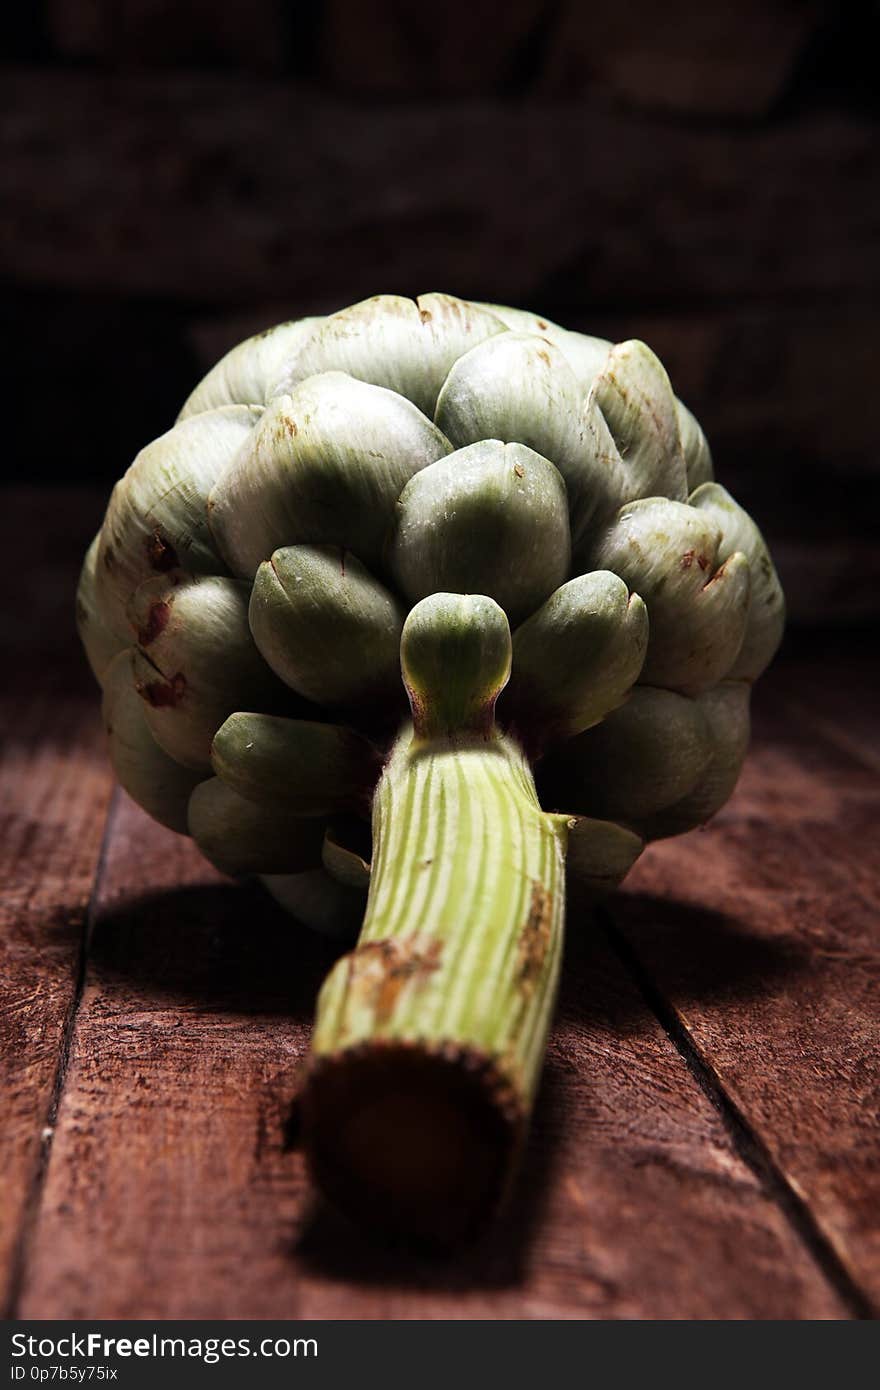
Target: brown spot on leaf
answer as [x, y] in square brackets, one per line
[290, 426]
[160, 552]
[425, 315]
[519, 470]
[690, 557]
[156, 621]
[380, 969]
[544, 356]
[535, 936]
[163, 694]
[542, 324]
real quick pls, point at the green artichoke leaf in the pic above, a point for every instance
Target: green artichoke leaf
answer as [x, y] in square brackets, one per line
[310, 769]
[196, 661]
[455, 654]
[585, 355]
[150, 776]
[326, 627]
[631, 403]
[765, 618]
[669, 553]
[319, 901]
[726, 713]
[600, 855]
[576, 658]
[406, 345]
[248, 374]
[325, 466]
[520, 389]
[342, 862]
[156, 519]
[492, 519]
[695, 445]
[644, 757]
[99, 640]
[242, 837]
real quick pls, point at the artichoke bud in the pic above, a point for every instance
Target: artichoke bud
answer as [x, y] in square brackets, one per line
[520, 389]
[405, 345]
[196, 661]
[455, 654]
[726, 713]
[600, 855]
[248, 374]
[765, 618]
[100, 642]
[325, 466]
[489, 519]
[695, 446]
[156, 520]
[635, 400]
[153, 779]
[576, 658]
[669, 553]
[647, 755]
[327, 627]
[310, 769]
[241, 837]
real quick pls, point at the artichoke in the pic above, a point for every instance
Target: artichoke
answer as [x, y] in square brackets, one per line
[417, 608]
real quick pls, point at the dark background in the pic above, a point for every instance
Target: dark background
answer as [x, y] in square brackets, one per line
[179, 173]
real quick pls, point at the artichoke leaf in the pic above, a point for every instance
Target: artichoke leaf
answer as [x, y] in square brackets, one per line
[726, 713]
[521, 390]
[490, 519]
[635, 400]
[644, 757]
[153, 779]
[668, 553]
[403, 344]
[343, 862]
[308, 768]
[325, 466]
[249, 372]
[585, 355]
[242, 837]
[576, 658]
[600, 855]
[319, 901]
[326, 627]
[765, 618]
[156, 520]
[695, 446]
[99, 640]
[196, 661]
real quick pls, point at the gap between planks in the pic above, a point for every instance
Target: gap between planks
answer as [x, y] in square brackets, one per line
[751, 1149]
[31, 1210]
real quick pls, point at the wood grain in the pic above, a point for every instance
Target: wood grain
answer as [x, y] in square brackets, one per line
[169, 1152]
[761, 933]
[54, 788]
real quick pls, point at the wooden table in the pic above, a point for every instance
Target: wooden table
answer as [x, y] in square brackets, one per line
[707, 1139]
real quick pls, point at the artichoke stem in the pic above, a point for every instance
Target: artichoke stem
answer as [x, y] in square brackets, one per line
[430, 1035]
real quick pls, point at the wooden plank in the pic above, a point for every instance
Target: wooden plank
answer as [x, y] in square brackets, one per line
[225, 189]
[54, 786]
[762, 934]
[170, 1192]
